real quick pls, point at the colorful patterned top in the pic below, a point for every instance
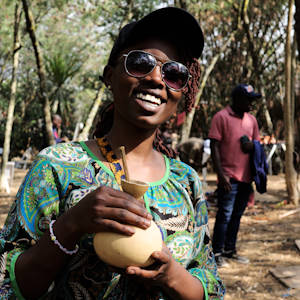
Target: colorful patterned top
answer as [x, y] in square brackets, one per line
[62, 175]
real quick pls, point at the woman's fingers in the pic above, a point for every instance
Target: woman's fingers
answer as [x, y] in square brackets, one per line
[120, 215]
[114, 226]
[155, 270]
[146, 274]
[107, 209]
[131, 205]
[113, 198]
[161, 257]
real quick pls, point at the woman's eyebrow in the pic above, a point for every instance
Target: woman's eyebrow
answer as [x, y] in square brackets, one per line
[162, 59]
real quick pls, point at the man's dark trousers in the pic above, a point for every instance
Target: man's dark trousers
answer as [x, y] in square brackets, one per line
[231, 207]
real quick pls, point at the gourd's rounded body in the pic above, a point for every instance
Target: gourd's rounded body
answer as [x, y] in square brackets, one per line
[122, 251]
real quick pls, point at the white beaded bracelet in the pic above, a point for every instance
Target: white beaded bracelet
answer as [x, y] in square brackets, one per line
[56, 242]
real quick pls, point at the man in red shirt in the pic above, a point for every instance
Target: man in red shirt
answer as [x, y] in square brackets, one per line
[232, 131]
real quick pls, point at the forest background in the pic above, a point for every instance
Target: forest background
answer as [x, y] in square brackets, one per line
[53, 52]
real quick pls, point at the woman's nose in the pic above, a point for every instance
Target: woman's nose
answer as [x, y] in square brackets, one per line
[156, 76]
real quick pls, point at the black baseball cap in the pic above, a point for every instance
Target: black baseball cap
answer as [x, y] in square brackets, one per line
[173, 23]
[245, 90]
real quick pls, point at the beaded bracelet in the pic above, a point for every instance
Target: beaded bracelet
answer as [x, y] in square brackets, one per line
[56, 242]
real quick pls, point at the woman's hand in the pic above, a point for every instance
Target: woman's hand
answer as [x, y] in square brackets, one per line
[107, 209]
[160, 272]
[169, 276]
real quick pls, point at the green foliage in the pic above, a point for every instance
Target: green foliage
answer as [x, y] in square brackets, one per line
[61, 66]
[76, 38]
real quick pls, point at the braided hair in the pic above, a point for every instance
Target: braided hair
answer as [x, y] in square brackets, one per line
[190, 92]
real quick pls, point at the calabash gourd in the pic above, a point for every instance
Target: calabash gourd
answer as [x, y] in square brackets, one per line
[122, 251]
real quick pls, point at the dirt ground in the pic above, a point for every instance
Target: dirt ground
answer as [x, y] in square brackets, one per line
[265, 237]
[268, 240]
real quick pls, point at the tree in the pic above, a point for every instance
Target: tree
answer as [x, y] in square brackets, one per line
[290, 173]
[93, 112]
[63, 65]
[41, 70]
[297, 101]
[83, 33]
[186, 128]
[257, 65]
[12, 100]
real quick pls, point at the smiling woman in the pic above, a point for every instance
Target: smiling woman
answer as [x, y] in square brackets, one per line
[74, 190]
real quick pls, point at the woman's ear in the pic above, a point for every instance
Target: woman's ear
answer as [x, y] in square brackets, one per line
[107, 76]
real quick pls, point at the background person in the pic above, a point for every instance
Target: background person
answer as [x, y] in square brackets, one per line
[57, 121]
[232, 131]
[191, 151]
[75, 188]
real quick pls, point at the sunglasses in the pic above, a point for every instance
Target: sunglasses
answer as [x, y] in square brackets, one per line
[139, 64]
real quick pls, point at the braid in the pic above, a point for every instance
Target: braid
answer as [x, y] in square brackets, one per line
[106, 120]
[190, 93]
[192, 88]
[160, 145]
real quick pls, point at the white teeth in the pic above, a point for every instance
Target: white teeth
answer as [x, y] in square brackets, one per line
[149, 98]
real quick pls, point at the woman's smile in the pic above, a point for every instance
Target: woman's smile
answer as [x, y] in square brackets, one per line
[149, 102]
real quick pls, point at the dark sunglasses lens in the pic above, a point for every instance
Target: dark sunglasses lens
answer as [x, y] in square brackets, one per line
[175, 75]
[139, 63]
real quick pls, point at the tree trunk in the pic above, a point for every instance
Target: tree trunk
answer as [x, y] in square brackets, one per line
[255, 63]
[187, 125]
[290, 173]
[297, 102]
[269, 123]
[88, 124]
[297, 24]
[55, 106]
[41, 71]
[12, 100]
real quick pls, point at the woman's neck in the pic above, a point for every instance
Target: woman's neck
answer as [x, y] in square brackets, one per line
[144, 162]
[138, 142]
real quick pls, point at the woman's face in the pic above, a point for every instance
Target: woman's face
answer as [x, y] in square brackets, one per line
[145, 102]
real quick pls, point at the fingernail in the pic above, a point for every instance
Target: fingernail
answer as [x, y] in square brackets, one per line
[131, 230]
[131, 272]
[147, 222]
[149, 216]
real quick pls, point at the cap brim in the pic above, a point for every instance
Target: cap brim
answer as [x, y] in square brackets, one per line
[254, 95]
[176, 24]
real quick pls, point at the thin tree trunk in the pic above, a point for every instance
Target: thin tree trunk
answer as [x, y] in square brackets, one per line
[12, 100]
[297, 102]
[55, 106]
[255, 63]
[290, 173]
[88, 124]
[267, 115]
[24, 104]
[293, 82]
[41, 71]
[187, 125]
[297, 24]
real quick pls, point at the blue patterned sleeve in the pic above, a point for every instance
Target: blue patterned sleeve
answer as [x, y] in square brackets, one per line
[203, 265]
[37, 201]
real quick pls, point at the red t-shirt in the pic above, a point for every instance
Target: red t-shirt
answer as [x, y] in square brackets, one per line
[228, 128]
